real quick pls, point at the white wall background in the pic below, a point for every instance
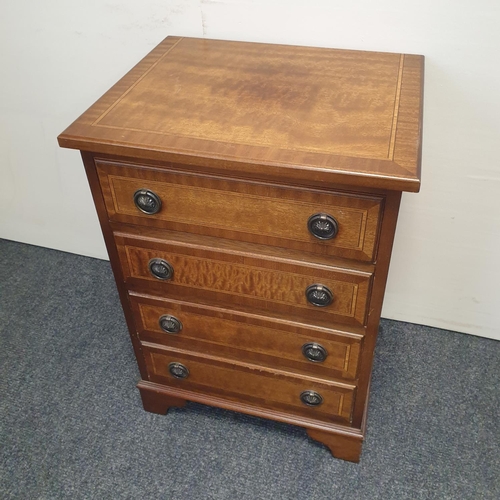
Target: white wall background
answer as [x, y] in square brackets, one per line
[59, 56]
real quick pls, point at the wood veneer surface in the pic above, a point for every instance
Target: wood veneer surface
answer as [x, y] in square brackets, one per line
[350, 116]
[244, 142]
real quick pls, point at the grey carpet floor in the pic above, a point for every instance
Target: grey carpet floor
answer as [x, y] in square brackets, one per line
[72, 424]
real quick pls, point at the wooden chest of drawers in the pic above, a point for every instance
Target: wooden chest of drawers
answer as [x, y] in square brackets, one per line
[248, 197]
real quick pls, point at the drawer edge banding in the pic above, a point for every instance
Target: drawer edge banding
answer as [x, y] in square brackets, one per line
[251, 367]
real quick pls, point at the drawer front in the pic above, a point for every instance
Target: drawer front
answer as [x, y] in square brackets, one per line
[260, 281]
[245, 211]
[246, 337]
[249, 383]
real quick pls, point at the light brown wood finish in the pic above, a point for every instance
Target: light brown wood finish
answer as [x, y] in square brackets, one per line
[239, 381]
[153, 236]
[253, 280]
[246, 336]
[256, 212]
[267, 107]
[244, 142]
[344, 442]
[93, 180]
[377, 298]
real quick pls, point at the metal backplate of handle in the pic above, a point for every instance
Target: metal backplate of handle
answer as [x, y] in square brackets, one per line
[314, 352]
[319, 295]
[323, 226]
[178, 370]
[170, 324]
[161, 269]
[311, 398]
[147, 201]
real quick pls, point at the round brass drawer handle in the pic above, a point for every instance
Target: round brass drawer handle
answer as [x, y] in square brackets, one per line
[323, 226]
[161, 269]
[319, 295]
[311, 398]
[170, 324]
[314, 352]
[147, 201]
[178, 370]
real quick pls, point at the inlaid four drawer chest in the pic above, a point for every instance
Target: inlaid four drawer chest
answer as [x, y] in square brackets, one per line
[248, 196]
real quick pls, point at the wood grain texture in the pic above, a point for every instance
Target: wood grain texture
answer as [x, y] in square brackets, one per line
[341, 446]
[248, 211]
[93, 180]
[156, 402]
[161, 391]
[244, 142]
[243, 249]
[245, 336]
[375, 307]
[279, 285]
[199, 101]
[239, 381]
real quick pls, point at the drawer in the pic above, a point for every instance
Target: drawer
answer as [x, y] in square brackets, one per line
[246, 278]
[243, 210]
[236, 381]
[247, 337]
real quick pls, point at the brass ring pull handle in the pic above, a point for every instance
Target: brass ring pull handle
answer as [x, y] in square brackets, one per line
[311, 398]
[314, 352]
[161, 269]
[178, 370]
[319, 295]
[170, 324]
[147, 201]
[323, 226]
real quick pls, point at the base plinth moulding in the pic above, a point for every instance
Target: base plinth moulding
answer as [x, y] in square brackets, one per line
[342, 442]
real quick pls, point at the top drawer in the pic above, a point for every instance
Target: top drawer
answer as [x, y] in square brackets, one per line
[243, 210]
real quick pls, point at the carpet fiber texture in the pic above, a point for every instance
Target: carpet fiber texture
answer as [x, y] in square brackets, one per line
[72, 424]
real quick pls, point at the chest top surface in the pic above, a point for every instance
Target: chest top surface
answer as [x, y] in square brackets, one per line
[353, 116]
